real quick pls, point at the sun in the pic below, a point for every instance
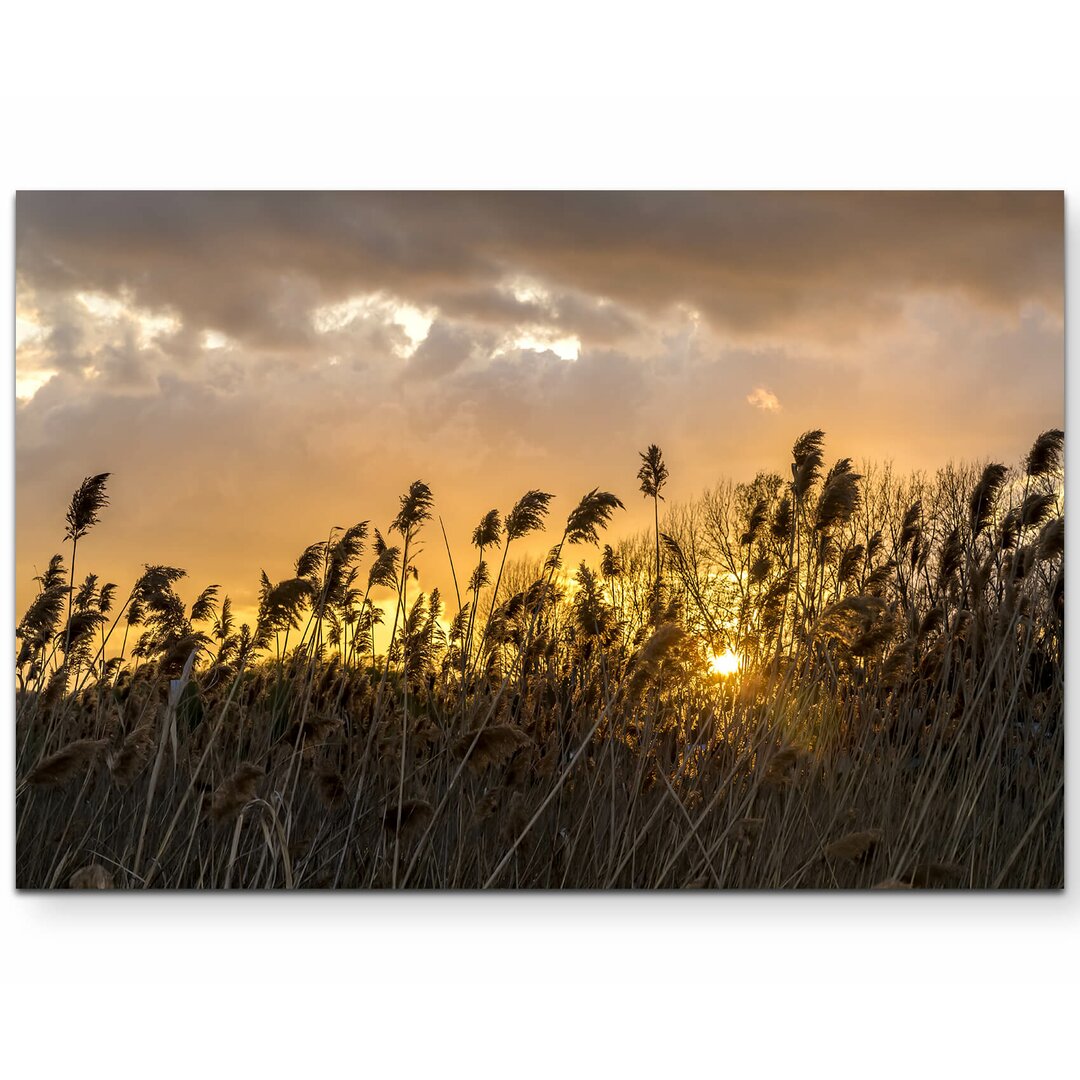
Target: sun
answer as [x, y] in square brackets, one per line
[725, 663]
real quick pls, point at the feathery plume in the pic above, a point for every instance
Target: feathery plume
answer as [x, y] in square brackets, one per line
[610, 564]
[60, 767]
[1035, 509]
[839, 497]
[909, 529]
[310, 560]
[854, 847]
[1045, 456]
[415, 814]
[205, 604]
[984, 496]
[384, 569]
[235, 793]
[653, 473]
[782, 520]
[94, 876]
[415, 508]
[128, 761]
[87, 502]
[591, 513]
[952, 553]
[807, 460]
[494, 746]
[527, 515]
[487, 533]
[1052, 539]
[849, 563]
[480, 578]
[757, 518]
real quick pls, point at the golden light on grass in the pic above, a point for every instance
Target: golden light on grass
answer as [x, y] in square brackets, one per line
[723, 664]
[660, 696]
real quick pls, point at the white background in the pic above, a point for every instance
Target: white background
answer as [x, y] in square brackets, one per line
[546, 95]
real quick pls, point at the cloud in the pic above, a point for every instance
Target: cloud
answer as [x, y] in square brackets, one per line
[442, 352]
[827, 265]
[764, 399]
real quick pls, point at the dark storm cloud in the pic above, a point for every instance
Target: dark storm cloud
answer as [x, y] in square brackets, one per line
[251, 264]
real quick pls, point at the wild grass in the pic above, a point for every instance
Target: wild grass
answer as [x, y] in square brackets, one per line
[896, 720]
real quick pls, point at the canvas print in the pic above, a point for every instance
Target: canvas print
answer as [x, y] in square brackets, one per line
[539, 540]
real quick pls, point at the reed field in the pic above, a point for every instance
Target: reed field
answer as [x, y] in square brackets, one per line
[839, 677]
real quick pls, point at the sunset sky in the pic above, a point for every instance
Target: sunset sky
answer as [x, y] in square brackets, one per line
[256, 368]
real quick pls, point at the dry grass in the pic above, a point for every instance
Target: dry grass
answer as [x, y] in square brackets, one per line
[57, 769]
[235, 793]
[896, 722]
[854, 847]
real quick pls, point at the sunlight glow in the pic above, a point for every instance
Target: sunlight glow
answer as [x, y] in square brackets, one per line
[28, 383]
[724, 664]
[101, 306]
[150, 324]
[214, 339]
[566, 348]
[527, 290]
[381, 307]
[763, 398]
[26, 331]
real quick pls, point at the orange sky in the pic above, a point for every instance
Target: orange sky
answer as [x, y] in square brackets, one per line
[255, 368]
